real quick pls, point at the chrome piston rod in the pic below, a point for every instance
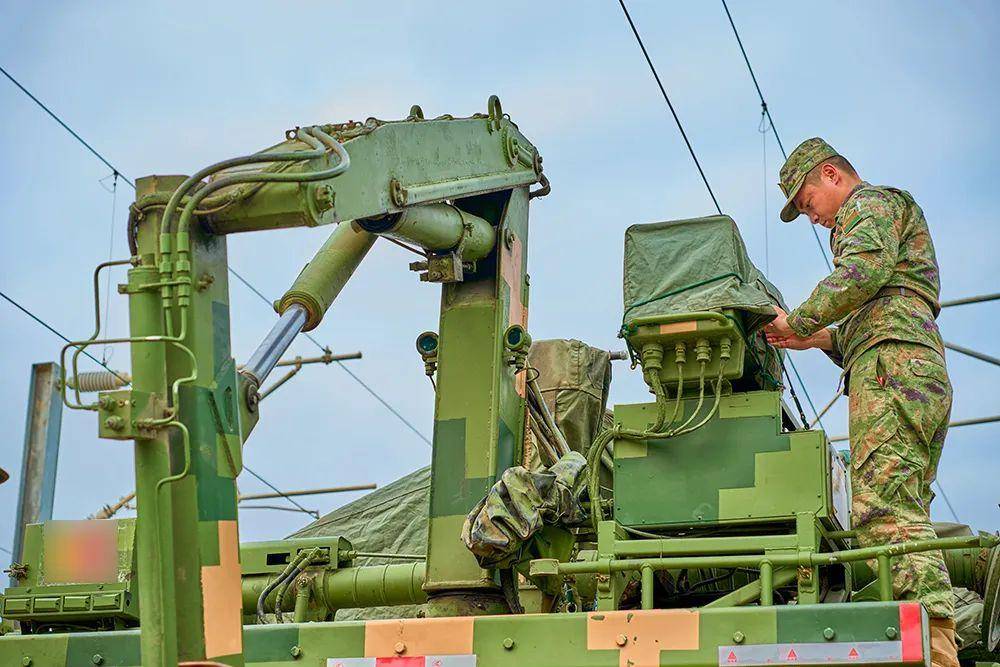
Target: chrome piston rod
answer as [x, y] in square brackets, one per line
[274, 345]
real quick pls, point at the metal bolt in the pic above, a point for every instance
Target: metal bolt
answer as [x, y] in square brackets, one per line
[115, 423]
[828, 633]
[891, 632]
[508, 239]
[621, 640]
[739, 637]
[508, 643]
[26, 661]
[399, 648]
[98, 659]
[296, 651]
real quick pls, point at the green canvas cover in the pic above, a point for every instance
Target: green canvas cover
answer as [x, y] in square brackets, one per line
[574, 378]
[700, 264]
[391, 519]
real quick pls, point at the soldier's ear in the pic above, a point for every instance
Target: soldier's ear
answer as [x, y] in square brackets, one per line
[831, 173]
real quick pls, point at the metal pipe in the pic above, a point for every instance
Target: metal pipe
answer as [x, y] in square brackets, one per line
[608, 565]
[307, 492]
[646, 584]
[954, 424]
[970, 299]
[884, 577]
[751, 592]
[766, 584]
[972, 353]
[327, 358]
[277, 341]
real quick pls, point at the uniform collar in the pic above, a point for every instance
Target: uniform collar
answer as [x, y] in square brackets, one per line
[839, 218]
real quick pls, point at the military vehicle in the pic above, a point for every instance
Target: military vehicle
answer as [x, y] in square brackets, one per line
[708, 526]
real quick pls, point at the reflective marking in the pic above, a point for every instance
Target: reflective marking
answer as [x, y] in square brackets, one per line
[406, 661]
[911, 631]
[813, 653]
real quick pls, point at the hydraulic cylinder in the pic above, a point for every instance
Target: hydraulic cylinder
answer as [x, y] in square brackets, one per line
[324, 277]
[438, 228]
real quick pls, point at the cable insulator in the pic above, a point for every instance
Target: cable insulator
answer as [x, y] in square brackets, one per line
[98, 381]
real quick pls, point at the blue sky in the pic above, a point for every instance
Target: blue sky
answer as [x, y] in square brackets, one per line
[908, 91]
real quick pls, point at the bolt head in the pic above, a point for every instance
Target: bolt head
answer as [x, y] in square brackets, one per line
[98, 659]
[891, 632]
[621, 640]
[739, 637]
[399, 648]
[296, 651]
[508, 643]
[26, 661]
[829, 633]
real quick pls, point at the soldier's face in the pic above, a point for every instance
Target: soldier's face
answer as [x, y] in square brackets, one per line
[820, 201]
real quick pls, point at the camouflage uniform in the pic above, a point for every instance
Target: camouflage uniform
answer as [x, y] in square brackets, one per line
[889, 346]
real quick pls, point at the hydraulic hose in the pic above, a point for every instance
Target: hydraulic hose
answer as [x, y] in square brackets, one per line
[289, 569]
[711, 413]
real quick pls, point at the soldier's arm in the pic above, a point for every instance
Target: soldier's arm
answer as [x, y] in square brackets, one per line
[870, 244]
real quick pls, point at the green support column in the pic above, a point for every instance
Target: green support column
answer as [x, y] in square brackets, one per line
[479, 412]
[187, 537]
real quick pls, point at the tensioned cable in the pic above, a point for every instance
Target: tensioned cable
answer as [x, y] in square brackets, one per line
[312, 513]
[652, 68]
[344, 367]
[53, 330]
[666, 98]
[765, 110]
[66, 127]
[243, 280]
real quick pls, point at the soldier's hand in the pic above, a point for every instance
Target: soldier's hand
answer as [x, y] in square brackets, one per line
[779, 325]
[792, 342]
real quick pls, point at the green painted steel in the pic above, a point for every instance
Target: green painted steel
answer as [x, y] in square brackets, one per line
[322, 279]
[768, 475]
[479, 411]
[542, 640]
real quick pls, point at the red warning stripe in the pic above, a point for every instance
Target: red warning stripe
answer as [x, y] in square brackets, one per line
[911, 631]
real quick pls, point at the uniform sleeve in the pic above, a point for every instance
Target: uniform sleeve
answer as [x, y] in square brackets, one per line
[868, 248]
[836, 353]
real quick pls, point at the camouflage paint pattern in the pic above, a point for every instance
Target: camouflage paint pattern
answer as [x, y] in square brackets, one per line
[640, 638]
[880, 239]
[802, 160]
[900, 402]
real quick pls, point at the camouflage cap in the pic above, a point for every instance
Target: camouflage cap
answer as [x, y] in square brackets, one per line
[803, 159]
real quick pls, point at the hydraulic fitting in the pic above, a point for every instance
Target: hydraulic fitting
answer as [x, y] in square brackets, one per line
[680, 353]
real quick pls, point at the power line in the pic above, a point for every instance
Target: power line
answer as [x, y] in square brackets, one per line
[767, 111]
[66, 127]
[357, 379]
[281, 493]
[666, 98]
[243, 280]
[652, 68]
[53, 330]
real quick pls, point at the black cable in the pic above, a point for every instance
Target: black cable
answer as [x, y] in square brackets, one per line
[666, 98]
[680, 127]
[280, 492]
[66, 127]
[767, 110]
[53, 330]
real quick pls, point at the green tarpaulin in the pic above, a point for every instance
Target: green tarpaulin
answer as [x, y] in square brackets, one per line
[700, 264]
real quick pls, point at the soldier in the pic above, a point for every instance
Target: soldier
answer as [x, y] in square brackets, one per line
[883, 296]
